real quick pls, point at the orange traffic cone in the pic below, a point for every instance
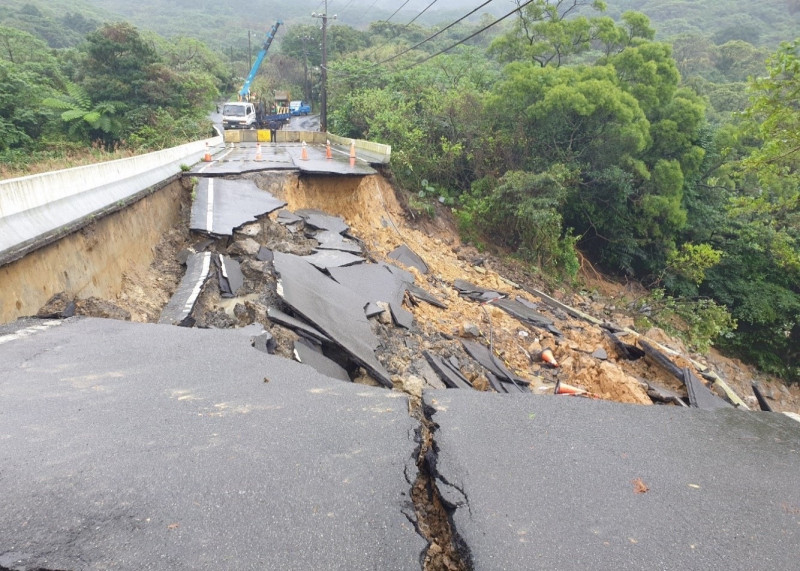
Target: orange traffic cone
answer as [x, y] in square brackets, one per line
[352, 148]
[352, 161]
[259, 156]
[304, 152]
[546, 356]
[207, 156]
[328, 153]
[565, 389]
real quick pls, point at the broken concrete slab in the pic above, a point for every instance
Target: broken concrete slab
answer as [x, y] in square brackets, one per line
[264, 254]
[700, 396]
[409, 258]
[376, 282]
[220, 205]
[326, 259]
[322, 221]
[420, 294]
[298, 326]
[310, 354]
[453, 379]
[663, 394]
[624, 350]
[760, 398]
[526, 315]
[264, 342]
[287, 217]
[491, 363]
[205, 454]
[424, 369]
[334, 241]
[583, 509]
[229, 276]
[330, 307]
[179, 308]
[519, 308]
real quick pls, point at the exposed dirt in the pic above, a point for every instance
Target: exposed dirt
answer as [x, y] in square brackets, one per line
[370, 207]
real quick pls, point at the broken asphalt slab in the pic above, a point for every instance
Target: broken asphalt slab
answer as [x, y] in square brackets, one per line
[598, 485]
[179, 309]
[220, 205]
[143, 446]
[331, 308]
[377, 282]
[409, 258]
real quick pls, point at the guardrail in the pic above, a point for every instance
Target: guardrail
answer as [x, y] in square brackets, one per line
[37, 209]
[376, 152]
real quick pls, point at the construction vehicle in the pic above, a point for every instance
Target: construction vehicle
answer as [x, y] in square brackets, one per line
[244, 92]
[249, 112]
[299, 108]
[253, 115]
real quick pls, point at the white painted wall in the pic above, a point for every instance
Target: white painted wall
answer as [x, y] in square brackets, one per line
[35, 206]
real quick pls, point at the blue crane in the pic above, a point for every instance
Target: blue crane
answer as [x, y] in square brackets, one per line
[244, 92]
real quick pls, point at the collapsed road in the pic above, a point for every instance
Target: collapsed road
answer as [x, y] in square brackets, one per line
[153, 446]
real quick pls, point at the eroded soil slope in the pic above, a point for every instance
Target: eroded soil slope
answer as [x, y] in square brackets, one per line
[587, 356]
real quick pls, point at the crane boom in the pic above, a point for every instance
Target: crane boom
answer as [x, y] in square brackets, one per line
[245, 90]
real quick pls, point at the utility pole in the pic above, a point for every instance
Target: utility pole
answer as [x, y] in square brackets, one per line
[323, 116]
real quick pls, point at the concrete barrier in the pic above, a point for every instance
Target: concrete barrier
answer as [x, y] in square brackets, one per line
[36, 209]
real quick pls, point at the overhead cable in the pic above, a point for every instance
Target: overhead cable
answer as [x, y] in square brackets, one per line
[396, 11]
[421, 13]
[520, 7]
[429, 38]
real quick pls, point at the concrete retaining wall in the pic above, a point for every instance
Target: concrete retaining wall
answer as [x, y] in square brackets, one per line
[93, 260]
[36, 209]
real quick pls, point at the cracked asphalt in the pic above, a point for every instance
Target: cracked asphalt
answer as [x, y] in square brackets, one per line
[565, 483]
[142, 446]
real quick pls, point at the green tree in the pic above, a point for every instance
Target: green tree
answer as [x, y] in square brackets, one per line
[547, 32]
[85, 118]
[116, 64]
[759, 226]
[522, 211]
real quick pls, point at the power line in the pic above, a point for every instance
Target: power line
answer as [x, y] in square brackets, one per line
[520, 7]
[398, 31]
[514, 11]
[429, 38]
[421, 13]
[396, 11]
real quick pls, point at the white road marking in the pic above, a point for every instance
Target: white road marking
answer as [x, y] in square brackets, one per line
[196, 290]
[210, 205]
[28, 331]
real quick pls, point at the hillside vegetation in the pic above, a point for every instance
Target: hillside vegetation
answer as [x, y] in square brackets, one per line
[570, 132]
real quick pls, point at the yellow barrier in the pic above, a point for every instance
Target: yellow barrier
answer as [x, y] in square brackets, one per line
[264, 136]
[232, 136]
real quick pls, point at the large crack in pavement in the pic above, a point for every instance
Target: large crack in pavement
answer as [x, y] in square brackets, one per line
[446, 550]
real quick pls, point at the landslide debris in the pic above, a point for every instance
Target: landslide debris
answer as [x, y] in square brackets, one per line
[587, 355]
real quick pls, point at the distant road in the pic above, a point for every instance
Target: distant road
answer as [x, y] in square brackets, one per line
[303, 123]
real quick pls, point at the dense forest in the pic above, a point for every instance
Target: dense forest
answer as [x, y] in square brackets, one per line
[658, 141]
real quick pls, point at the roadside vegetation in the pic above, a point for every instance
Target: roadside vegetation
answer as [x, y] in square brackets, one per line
[569, 133]
[116, 93]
